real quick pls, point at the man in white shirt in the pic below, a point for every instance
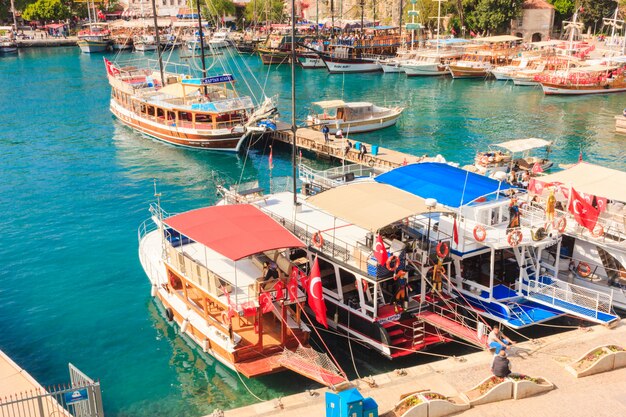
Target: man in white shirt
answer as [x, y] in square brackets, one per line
[496, 340]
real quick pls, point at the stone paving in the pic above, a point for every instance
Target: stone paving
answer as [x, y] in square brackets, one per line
[593, 396]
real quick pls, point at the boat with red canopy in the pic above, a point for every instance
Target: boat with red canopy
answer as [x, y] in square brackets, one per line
[223, 274]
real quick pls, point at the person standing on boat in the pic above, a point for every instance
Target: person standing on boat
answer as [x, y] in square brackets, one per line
[400, 297]
[550, 206]
[363, 152]
[270, 271]
[437, 276]
[339, 134]
[514, 216]
[325, 131]
[348, 147]
[498, 341]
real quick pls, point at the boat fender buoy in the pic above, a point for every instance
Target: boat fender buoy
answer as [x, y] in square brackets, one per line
[560, 224]
[317, 240]
[480, 234]
[184, 325]
[153, 290]
[583, 269]
[514, 237]
[442, 249]
[393, 263]
[370, 163]
[169, 314]
[205, 345]
[597, 231]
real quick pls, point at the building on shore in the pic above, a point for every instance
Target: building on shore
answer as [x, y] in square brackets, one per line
[535, 22]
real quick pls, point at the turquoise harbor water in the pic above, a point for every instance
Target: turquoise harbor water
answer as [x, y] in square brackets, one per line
[76, 185]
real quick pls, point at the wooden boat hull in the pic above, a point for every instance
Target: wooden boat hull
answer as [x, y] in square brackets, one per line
[576, 90]
[467, 72]
[350, 65]
[89, 47]
[274, 57]
[219, 141]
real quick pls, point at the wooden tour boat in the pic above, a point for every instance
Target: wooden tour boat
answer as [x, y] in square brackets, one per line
[96, 37]
[206, 268]
[595, 79]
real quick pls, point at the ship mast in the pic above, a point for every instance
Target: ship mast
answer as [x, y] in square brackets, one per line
[158, 42]
[439, 21]
[294, 128]
[201, 38]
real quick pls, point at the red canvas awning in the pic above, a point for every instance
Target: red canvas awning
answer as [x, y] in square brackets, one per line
[234, 231]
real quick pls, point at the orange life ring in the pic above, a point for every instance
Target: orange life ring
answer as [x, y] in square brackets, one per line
[600, 231]
[560, 224]
[442, 249]
[480, 234]
[583, 269]
[317, 240]
[515, 237]
[393, 263]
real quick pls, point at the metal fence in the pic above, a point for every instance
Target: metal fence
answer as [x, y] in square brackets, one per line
[81, 398]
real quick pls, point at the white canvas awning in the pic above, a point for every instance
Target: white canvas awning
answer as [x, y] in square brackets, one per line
[329, 104]
[499, 38]
[370, 205]
[592, 179]
[523, 145]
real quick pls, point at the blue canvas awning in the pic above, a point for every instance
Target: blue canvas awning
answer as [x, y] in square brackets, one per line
[442, 182]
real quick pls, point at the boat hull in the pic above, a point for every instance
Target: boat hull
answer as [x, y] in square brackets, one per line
[392, 68]
[467, 72]
[145, 47]
[313, 61]
[274, 57]
[218, 141]
[348, 65]
[362, 126]
[8, 49]
[525, 82]
[556, 89]
[428, 70]
[90, 47]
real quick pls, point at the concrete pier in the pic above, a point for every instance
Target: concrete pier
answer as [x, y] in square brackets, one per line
[47, 42]
[597, 395]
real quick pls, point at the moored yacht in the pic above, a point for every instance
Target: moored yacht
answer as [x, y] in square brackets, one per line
[95, 37]
[352, 117]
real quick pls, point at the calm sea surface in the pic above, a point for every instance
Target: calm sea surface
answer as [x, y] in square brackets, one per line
[76, 184]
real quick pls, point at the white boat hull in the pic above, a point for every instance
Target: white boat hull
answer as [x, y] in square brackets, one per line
[89, 47]
[427, 70]
[145, 47]
[308, 62]
[351, 67]
[525, 82]
[550, 90]
[362, 126]
[392, 68]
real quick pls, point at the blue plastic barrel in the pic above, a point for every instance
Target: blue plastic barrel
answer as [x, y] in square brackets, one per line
[374, 150]
[357, 146]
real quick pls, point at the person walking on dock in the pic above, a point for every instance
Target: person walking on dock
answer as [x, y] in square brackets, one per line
[325, 131]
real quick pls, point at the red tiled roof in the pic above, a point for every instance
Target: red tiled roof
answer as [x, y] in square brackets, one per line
[537, 4]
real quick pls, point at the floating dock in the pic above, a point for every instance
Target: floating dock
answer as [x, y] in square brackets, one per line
[620, 124]
[595, 395]
[376, 157]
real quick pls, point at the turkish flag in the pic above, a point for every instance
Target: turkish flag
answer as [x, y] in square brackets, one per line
[536, 187]
[584, 213]
[315, 294]
[455, 233]
[601, 204]
[537, 168]
[292, 285]
[380, 252]
[279, 288]
[265, 301]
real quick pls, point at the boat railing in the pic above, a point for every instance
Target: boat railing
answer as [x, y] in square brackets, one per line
[557, 292]
[333, 177]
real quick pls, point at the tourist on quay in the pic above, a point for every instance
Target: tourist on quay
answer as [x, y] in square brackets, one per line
[363, 152]
[501, 366]
[498, 341]
[339, 134]
[348, 147]
[325, 131]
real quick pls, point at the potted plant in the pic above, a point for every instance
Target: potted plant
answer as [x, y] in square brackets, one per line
[526, 386]
[440, 405]
[411, 406]
[620, 356]
[490, 390]
[597, 360]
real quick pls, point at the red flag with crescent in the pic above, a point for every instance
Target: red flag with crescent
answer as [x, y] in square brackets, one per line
[315, 294]
[380, 251]
[584, 213]
[537, 168]
[279, 288]
[455, 233]
[292, 285]
[265, 302]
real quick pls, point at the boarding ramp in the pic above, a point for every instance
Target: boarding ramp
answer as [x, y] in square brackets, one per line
[578, 301]
[314, 365]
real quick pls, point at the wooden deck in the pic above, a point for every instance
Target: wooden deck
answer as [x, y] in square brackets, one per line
[313, 140]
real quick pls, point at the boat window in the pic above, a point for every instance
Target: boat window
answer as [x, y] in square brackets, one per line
[184, 116]
[171, 115]
[348, 288]
[327, 271]
[150, 111]
[160, 113]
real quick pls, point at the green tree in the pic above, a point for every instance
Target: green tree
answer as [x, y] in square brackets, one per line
[214, 10]
[262, 10]
[46, 10]
[491, 15]
[565, 8]
[595, 10]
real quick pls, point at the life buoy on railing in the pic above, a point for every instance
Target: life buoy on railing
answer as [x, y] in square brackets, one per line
[583, 269]
[560, 224]
[393, 263]
[597, 231]
[480, 234]
[370, 163]
[442, 249]
[514, 237]
[317, 240]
